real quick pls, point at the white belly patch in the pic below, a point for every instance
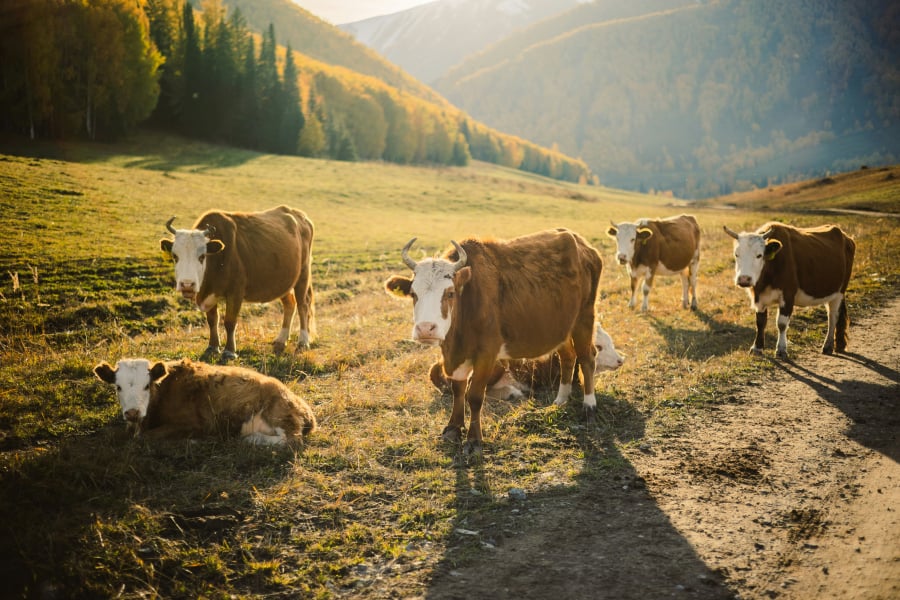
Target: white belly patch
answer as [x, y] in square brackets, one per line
[769, 297]
[804, 299]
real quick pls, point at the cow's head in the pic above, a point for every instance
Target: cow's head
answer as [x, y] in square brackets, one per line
[608, 359]
[189, 250]
[132, 378]
[628, 236]
[434, 288]
[751, 251]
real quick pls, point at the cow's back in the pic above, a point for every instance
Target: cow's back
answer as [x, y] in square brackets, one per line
[264, 252]
[674, 242]
[817, 260]
[529, 290]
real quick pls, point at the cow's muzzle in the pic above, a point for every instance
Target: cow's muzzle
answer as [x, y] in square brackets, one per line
[744, 281]
[427, 333]
[132, 415]
[622, 259]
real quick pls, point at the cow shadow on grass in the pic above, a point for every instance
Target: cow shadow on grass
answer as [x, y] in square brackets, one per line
[78, 514]
[871, 400]
[598, 535]
[719, 338]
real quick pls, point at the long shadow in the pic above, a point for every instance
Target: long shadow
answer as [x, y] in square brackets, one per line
[872, 406]
[602, 537]
[718, 339]
[136, 494]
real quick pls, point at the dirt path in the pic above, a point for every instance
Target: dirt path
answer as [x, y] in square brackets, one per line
[789, 489]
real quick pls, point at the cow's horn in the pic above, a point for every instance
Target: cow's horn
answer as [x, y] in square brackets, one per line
[210, 231]
[459, 264]
[169, 226]
[730, 232]
[405, 254]
[767, 233]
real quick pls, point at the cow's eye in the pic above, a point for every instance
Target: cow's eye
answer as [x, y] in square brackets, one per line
[414, 296]
[175, 258]
[147, 387]
[451, 294]
[759, 256]
[599, 348]
[119, 388]
[202, 258]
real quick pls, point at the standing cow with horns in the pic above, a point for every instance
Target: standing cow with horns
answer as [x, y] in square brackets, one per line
[254, 257]
[487, 300]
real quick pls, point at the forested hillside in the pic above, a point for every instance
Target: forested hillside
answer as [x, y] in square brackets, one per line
[102, 69]
[700, 98]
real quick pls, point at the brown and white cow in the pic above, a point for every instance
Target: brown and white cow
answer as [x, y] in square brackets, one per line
[489, 300]
[186, 399]
[254, 257]
[651, 247]
[512, 379]
[784, 266]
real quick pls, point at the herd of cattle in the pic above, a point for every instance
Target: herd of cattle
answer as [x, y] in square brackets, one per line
[502, 311]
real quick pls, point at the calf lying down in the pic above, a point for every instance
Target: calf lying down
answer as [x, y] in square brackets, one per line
[512, 379]
[186, 399]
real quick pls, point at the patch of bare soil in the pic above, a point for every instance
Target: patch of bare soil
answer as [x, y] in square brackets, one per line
[789, 489]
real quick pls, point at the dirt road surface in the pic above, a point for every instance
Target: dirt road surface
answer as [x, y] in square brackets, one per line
[789, 489]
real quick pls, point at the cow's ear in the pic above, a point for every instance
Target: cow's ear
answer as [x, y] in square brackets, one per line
[166, 245]
[644, 234]
[612, 232]
[158, 371]
[214, 246]
[772, 248]
[398, 286]
[462, 277]
[104, 372]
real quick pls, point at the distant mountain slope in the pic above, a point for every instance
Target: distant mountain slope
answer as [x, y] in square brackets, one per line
[429, 39]
[308, 34]
[704, 99]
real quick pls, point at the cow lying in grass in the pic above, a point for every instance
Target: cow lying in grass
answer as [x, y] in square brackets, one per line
[512, 379]
[186, 399]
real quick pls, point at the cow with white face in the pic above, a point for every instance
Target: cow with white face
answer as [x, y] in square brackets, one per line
[785, 266]
[651, 247]
[253, 257]
[490, 300]
[132, 378]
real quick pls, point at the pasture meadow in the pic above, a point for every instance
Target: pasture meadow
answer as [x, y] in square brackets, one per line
[373, 504]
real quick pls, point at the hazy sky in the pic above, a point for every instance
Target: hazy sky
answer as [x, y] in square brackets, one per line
[346, 11]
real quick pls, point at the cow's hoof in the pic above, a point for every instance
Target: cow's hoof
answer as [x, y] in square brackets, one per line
[841, 348]
[590, 414]
[227, 355]
[827, 349]
[782, 354]
[756, 351]
[472, 448]
[452, 434]
[277, 347]
[211, 353]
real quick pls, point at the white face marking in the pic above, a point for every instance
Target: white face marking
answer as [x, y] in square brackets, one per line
[433, 294]
[133, 387]
[189, 255]
[608, 359]
[626, 234]
[749, 257]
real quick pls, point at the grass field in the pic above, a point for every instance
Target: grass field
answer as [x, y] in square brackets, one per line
[374, 503]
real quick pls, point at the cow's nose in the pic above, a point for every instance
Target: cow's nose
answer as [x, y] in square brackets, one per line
[621, 259]
[186, 285]
[426, 330]
[744, 280]
[132, 415]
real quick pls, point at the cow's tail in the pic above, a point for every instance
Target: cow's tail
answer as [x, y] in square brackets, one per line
[842, 335]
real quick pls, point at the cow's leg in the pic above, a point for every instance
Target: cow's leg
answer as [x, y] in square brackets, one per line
[759, 343]
[288, 306]
[475, 399]
[843, 327]
[685, 284]
[634, 289]
[212, 319]
[232, 309]
[305, 309]
[694, 271]
[567, 358]
[583, 338]
[833, 308]
[648, 285]
[459, 381]
[784, 319]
